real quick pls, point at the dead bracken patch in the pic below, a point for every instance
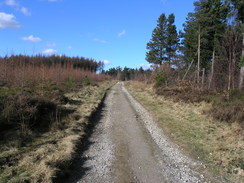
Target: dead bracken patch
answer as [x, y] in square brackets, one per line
[227, 110]
[185, 94]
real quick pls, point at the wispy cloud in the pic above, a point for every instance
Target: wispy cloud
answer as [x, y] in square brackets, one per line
[100, 40]
[69, 47]
[8, 21]
[106, 62]
[11, 3]
[122, 33]
[51, 45]
[25, 11]
[146, 66]
[31, 38]
[49, 51]
[18, 6]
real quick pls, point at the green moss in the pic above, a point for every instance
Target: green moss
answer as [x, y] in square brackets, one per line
[242, 61]
[213, 98]
[160, 79]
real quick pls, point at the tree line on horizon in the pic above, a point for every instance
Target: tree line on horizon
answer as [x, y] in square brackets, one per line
[209, 51]
[26, 71]
[125, 74]
[53, 60]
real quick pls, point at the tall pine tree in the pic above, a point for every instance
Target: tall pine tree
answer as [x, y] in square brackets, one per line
[190, 39]
[164, 42]
[157, 44]
[172, 41]
[208, 21]
[239, 7]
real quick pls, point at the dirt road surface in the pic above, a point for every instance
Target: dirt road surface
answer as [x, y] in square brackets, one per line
[127, 146]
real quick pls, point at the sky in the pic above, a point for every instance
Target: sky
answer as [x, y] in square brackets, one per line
[112, 31]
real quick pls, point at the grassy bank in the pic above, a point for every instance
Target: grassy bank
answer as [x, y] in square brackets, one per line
[218, 144]
[42, 144]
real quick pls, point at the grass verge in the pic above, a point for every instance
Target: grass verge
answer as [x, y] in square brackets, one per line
[50, 153]
[219, 145]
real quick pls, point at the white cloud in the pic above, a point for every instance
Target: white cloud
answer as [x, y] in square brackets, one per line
[11, 3]
[51, 45]
[8, 21]
[106, 62]
[25, 11]
[100, 40]
[69, 47]
[122, 33]
[146, 66]
[32, 39]
[49, 52]
[18, 6]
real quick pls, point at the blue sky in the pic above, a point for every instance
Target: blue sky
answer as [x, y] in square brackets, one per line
[112, 31]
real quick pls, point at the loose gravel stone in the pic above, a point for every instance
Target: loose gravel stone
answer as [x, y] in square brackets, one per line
[127, 145]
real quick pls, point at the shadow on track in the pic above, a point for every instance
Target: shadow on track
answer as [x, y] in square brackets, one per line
[76, 169]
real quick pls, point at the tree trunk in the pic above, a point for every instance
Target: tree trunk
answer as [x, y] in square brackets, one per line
[189, 67]
[242, 67]
[203, 76]
[212, 71]
[161, 55]
[241, 78]
[188, 70]
[198, 57]
[233, 71]
[229, 80]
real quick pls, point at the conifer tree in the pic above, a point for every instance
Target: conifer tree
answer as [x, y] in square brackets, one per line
[208, 20]
[157, 44]
[164, 42]
[172, 41]
[239, 6]
[190, 36]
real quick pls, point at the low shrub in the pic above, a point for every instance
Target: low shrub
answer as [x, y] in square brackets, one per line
[229, 111]
[26, 113]
[186, 94]
[223, 109]
[160, 79]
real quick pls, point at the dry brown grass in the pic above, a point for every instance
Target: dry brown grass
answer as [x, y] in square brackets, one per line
[226, 107]
[39, 126]
[219, 145]
[51, 153]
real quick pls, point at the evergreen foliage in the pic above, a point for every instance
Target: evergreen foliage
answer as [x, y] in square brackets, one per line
[209, 20]
[239, 5]
[126, 73]
[157, 44]
[172, 41]
[160, 79]
[210, 52]
[164, 42]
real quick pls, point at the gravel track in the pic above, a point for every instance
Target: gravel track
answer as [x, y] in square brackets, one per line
[127, 146]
